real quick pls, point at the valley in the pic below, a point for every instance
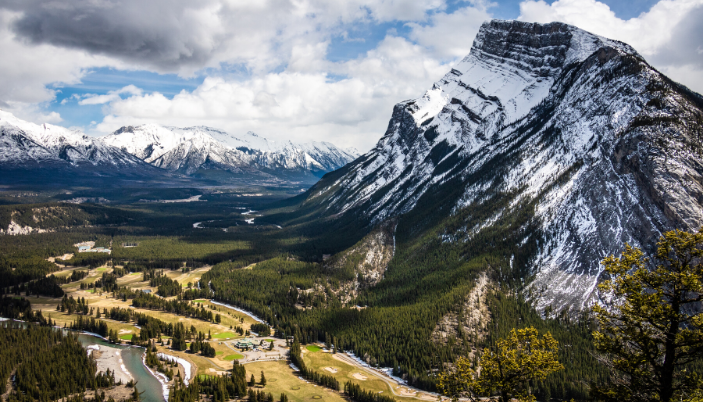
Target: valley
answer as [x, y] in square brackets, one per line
[485, 216]
[187, 258]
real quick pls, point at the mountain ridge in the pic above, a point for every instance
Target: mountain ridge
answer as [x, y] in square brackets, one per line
[153, 150]
[189, 149]
[570, 139]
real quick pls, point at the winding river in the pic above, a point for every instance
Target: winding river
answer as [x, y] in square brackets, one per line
[147, 384]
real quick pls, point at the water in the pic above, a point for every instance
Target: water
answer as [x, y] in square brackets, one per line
[147, 384]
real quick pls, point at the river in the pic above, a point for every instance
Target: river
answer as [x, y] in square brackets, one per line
[147, 384]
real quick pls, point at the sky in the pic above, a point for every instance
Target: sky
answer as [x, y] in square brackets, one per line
[297, 70]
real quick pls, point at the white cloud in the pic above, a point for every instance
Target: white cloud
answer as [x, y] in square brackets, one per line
[35, 112]
[450, 36]
[294, 104]
[92, 99]
[669, 35]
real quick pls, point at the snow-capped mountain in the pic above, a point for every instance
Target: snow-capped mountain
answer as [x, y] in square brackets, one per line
[23, 143]
[570, 141]
[152, 150]
[188, 150]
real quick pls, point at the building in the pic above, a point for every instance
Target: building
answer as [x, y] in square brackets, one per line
[246, 344]
[87, 247]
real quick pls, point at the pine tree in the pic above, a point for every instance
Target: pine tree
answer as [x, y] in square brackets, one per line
[507, 368]
[262, 380]
[653, 336]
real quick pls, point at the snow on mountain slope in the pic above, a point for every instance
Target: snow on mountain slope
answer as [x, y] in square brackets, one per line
[22, 142]
[190, 149]
[601, 148]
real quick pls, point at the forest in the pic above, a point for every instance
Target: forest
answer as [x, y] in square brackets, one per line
[280, 276]
[49, 364]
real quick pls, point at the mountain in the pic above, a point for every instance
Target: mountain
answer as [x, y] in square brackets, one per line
[24, 142]
[52, 154]
[40, 154]
[546, 143]
[195, 149]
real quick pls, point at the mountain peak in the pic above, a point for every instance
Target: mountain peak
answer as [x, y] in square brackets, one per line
[190, 149]
[569, 140]
[541, 49]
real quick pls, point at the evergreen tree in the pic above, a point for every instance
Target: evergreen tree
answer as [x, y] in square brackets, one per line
[652, 339]
[507, 368]
[262, 380]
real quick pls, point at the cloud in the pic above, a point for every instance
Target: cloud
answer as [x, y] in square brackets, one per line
[26, 72]
[91, 99]
[181, 36]
[669, 35]
[450, 36]
[32, 112]
[293, 104]
[157, 33]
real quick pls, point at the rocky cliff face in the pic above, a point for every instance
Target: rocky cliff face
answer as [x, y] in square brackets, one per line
[367, 260]
[573, 132]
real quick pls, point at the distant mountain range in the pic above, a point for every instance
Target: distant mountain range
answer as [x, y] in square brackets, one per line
[546, 145]
[188, 150]
[151, 151]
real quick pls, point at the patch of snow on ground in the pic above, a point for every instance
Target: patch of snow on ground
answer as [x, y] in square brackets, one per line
[254, 317]
[186, 365]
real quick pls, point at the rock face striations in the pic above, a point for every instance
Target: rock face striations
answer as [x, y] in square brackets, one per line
[572, 134]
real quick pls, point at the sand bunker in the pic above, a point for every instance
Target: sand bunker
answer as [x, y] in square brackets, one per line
[331, 369]
[359, 376]
[124, 331]
[406, 392]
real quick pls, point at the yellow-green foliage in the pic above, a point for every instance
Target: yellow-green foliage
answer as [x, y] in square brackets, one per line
[652, 339]
[505, 369]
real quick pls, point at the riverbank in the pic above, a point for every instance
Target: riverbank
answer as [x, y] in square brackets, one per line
[108, 358]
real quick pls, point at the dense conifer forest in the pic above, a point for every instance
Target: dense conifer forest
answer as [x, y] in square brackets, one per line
[48, 364]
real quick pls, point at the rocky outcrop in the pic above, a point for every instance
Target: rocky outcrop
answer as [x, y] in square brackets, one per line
[470, 321]
[14, 229]
[367, 261]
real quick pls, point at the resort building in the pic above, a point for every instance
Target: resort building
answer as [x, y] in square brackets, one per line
[246, 343]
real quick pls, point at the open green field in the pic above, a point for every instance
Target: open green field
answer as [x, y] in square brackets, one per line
[224, 335]
[287, 382]
[126, 337]
[313, 348]
[174, 248]
[232, 357]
